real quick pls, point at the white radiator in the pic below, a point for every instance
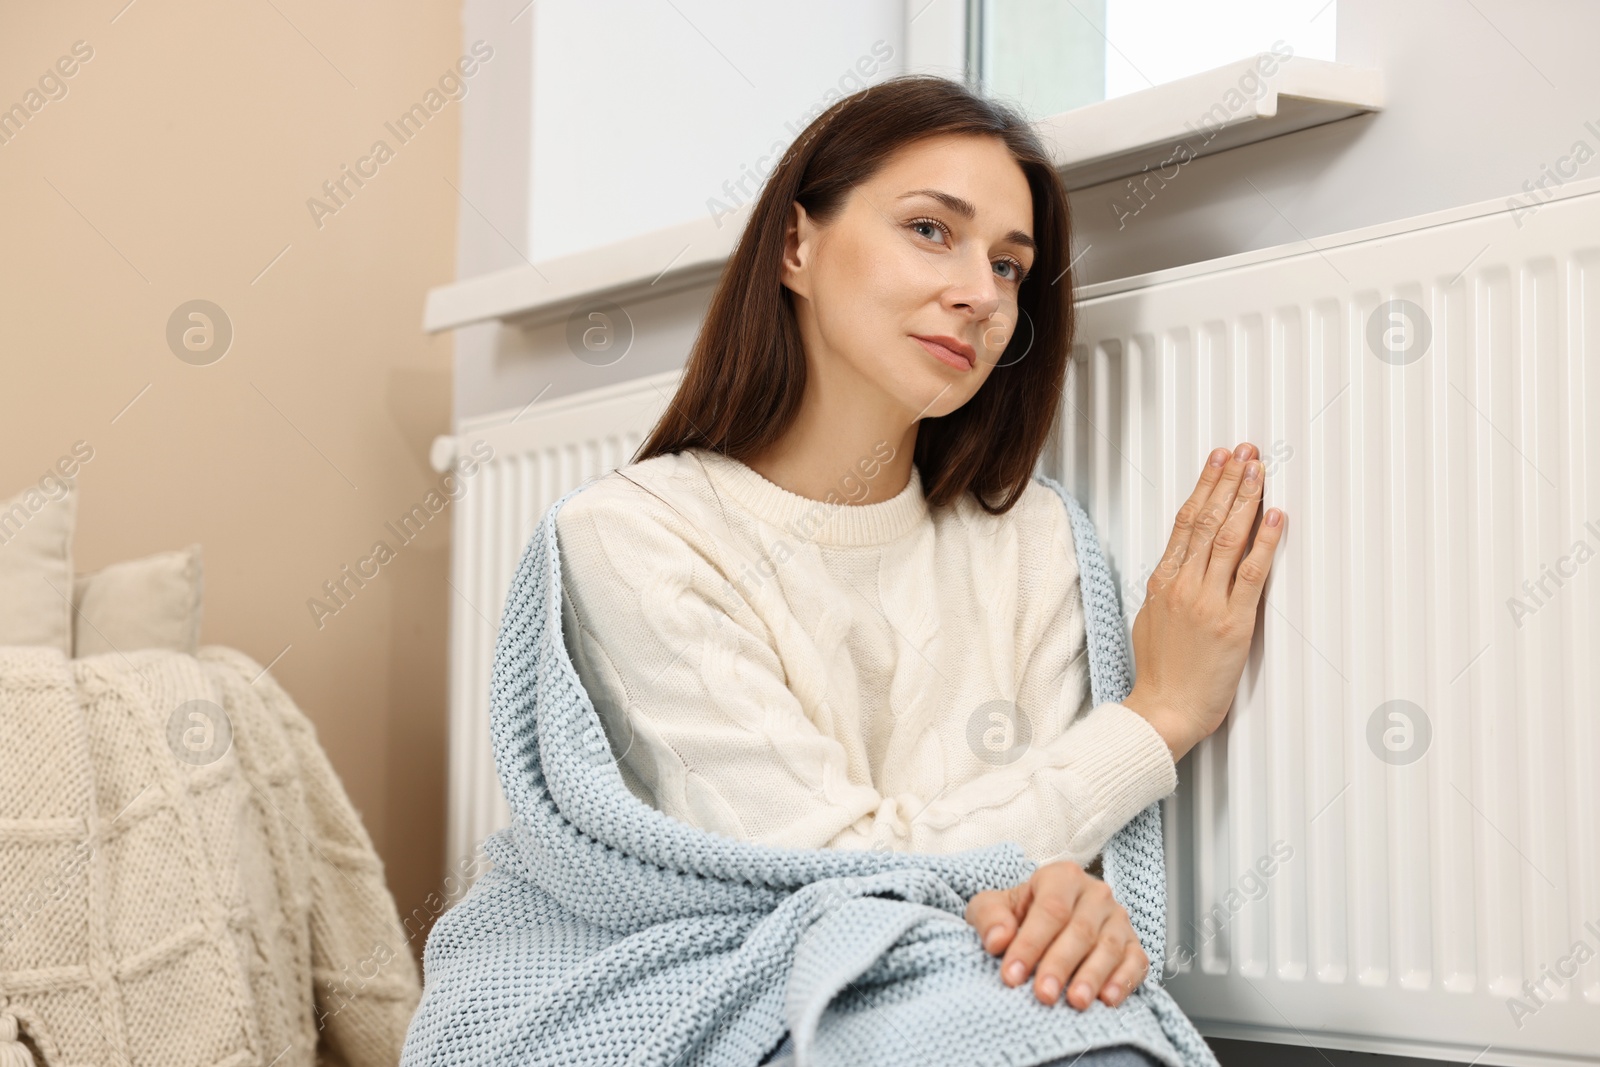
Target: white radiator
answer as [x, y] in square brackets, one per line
[1400, 824]
[537, 453]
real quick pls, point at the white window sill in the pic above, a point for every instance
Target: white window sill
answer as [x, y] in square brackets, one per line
[1158, 128]
[1210, 112]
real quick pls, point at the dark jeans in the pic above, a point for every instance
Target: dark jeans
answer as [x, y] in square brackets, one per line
[1115, 1056]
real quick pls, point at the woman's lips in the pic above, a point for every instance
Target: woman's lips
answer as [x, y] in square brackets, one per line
[945, 354]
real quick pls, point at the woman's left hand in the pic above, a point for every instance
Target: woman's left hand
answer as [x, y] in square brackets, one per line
[1066, 921]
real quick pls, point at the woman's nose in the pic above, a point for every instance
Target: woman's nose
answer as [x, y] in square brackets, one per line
[975, 290]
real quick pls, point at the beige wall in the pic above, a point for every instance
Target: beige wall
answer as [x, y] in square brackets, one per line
[178, 165]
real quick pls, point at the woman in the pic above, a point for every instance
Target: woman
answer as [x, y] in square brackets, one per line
[828, 606]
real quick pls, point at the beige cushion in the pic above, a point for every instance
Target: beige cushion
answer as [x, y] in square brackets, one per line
[36, 566]
[152, 602]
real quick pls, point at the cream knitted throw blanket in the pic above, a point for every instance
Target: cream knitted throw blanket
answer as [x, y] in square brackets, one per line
[609, 932]
[183, 880]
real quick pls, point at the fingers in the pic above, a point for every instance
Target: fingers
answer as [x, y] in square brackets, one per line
[993, 913]
[1129, 973]
[1213, 512]
[1054, 905]
[1085, 951]
[1072, 935]
[1091, 976]
[1183, 525]
[1235, 529]
[1252, 576]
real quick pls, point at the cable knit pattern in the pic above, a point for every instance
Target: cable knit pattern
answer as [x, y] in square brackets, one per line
[609, 932]
[158, 907]
[817, 674]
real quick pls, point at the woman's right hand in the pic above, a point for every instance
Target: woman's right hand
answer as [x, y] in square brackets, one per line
[1067, 922]
[1193, 632]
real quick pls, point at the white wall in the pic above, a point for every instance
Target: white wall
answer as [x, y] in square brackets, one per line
[643, 115]
[647, 114]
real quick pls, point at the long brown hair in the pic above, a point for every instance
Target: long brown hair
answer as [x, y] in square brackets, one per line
[745, 376]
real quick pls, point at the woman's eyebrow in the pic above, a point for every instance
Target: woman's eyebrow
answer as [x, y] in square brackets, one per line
[965, 209]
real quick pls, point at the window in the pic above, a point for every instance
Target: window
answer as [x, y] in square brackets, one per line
[1050, 56]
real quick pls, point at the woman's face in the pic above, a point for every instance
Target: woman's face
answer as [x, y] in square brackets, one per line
[920, 267]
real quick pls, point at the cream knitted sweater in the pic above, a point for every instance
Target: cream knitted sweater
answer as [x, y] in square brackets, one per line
[811, 674]
[182, 877]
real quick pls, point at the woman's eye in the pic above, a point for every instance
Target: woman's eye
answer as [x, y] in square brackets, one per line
[1016, 272]
[927, 228]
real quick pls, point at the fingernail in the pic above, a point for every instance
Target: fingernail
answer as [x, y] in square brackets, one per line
[991, 937]
[1218, 457]
[1014, 971]
[1274, 517]
[1113, 992]
[1050, 987]
[1252, 471]
[1082, 992]
[1241, 452]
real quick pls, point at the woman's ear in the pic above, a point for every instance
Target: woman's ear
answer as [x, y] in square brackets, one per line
[798, 243]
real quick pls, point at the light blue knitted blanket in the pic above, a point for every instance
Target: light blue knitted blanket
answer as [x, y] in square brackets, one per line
[608, 932]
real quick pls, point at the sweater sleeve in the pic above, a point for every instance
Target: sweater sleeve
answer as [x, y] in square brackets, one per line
[1084, 771]
[1092, 767]
[695, 699]
[1097, 765]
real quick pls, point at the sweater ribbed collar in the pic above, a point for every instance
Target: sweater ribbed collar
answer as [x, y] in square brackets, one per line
[817, 520]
